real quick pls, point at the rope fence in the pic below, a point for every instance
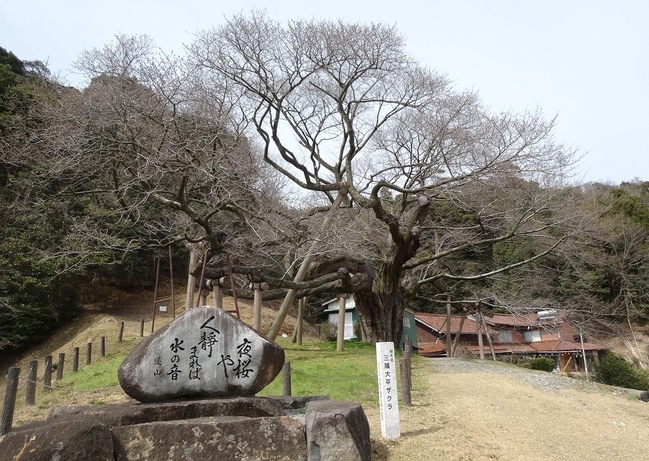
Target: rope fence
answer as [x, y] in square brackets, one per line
[15, 382]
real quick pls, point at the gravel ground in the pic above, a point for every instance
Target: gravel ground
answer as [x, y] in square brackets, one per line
[473, 410]
[538, 379]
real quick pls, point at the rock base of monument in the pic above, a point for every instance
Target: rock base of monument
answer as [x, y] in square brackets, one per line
[310, 428]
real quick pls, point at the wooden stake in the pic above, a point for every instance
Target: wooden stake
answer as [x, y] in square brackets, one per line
[47, 374]
[75, 360]
[10, 400]
[59, 367]
[30, 398]
[286, 378]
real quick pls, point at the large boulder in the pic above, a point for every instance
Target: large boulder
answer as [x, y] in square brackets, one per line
[204, 352]
[64, 439]
[337, 430]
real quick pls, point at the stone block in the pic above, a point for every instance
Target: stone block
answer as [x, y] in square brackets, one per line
[63, 439]
[337, 431]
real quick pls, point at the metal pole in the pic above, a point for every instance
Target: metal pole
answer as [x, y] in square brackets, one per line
[171, 280]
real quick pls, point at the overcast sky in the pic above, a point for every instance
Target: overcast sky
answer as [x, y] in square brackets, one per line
[584, 61]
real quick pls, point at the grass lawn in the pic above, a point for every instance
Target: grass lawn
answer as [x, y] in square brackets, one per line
[316, 368]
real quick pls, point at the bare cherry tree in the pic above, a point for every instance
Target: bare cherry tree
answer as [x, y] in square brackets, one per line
[341, 106]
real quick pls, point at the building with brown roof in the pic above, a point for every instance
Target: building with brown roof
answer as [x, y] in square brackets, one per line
[545, 334]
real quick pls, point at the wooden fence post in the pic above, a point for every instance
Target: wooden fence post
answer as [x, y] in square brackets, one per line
[286, 378]
[30, 398]
[405, 385]
[59, 366]
[141, 328]
[47, 374]
[102, 346]
[89, 354]
[10, 400]
[121, 332]
[75, 360]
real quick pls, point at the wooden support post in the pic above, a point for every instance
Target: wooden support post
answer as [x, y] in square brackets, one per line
[10, 400]
[191, 280]
[59, 367]
[47, 374]
[102, 346]
[141, 328]
[88, 353]
[480, 341]
[155, 295]
[491, 344]
[286, 378]
[449, 332]
[306, 264]
[217, 294]
[256, 306]
[297, 333]
[75, 360]
[404, 365]
[30, 398]
[456, 340]
[342, 304]
[121, 332]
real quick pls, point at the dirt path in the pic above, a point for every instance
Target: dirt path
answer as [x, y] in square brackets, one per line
[486, 411]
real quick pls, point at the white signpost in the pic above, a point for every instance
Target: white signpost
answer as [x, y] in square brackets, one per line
[388, 395]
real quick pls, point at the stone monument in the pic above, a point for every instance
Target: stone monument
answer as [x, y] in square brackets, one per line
[205, 352]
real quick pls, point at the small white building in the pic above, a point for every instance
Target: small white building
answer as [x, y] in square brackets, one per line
[351, 315]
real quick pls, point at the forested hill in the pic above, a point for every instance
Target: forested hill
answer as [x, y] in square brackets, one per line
[403, 192]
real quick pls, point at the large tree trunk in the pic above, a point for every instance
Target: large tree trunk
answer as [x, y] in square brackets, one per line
[381, 312]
